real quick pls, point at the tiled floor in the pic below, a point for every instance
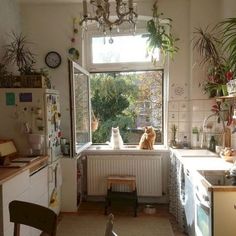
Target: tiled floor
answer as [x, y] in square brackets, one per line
[161, 211]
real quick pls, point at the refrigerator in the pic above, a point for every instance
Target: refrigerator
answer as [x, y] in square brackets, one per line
[31, 118]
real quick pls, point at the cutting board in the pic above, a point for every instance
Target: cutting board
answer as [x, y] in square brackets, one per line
[227, 137]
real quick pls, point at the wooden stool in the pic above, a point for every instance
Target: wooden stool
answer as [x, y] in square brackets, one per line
[114, 195]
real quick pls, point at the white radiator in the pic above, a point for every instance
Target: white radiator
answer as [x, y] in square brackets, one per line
[147, 170]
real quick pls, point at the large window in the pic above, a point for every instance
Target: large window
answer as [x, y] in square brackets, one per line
[127, 90]
[129, 100]
[114, 50]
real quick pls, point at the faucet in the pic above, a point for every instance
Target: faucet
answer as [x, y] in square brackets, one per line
[203, 138]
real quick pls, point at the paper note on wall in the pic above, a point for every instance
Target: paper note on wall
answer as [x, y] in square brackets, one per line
[10, 99]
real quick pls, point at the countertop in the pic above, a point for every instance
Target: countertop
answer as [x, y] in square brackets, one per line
[204, 160]
[7, 173]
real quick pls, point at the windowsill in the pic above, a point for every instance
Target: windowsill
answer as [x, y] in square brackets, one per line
[127, 149]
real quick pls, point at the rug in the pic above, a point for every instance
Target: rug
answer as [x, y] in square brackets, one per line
[95, 225]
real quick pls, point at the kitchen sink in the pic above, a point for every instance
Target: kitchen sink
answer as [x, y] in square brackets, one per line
[196, 153]
[215, 177]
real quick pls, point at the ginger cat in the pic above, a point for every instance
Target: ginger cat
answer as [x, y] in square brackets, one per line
[148, 138]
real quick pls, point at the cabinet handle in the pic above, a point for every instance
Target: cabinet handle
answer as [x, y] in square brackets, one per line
[235, 206]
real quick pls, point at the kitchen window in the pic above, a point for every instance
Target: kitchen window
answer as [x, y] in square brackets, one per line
[121, 62]
[130, 100]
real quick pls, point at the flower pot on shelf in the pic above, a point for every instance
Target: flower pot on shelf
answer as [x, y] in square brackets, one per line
[224, 89]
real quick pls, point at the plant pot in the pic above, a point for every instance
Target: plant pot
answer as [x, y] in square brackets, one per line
[224, 89]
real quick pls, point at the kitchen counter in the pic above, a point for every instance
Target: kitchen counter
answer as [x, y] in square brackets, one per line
[7, 173]
[204, 164]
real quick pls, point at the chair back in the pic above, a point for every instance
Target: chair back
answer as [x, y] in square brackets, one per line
[33, 215]
[109, 226]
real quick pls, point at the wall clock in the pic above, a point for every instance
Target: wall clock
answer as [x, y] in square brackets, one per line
[53, 59]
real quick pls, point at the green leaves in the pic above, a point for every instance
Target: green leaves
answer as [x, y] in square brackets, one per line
[17, 53]
[228, 36]
[159, 36]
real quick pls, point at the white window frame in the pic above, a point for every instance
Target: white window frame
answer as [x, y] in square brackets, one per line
[111, 67]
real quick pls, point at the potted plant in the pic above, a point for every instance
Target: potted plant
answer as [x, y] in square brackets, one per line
[17, 53]
[209, 46]
[159, 37]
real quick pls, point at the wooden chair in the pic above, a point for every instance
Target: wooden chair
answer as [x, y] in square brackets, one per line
[109, 227]
[33, 215]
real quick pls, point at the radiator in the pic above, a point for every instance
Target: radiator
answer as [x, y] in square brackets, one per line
[147, 170]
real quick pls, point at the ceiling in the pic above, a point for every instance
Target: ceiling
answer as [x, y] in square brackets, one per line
[64, 1]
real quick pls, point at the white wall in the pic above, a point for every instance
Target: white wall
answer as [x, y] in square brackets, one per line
[50, 27]
[9, 22]
[228, 8]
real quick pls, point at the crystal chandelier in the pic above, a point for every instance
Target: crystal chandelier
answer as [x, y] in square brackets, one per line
[102, 15]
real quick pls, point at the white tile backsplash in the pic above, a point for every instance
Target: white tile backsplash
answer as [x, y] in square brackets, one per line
[173, 116]
[184, 106]
[189, 114]
[173, 106]
[184, 116]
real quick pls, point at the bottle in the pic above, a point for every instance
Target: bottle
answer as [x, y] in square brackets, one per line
[212, 145]
[185, 142]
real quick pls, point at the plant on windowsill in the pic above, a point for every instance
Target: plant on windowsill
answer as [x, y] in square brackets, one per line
[160, 40]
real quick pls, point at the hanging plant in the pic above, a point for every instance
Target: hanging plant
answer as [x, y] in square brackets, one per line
[159, 36]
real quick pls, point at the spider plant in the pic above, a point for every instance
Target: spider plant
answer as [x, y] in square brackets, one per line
[228, 30]
[159, 37]
[17, 53]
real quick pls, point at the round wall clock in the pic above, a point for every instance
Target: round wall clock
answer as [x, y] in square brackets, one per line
[53, 59]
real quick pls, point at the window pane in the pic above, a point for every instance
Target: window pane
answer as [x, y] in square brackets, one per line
[130, 100]
[123, 49]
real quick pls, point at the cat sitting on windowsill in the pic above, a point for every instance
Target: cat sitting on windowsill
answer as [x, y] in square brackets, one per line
[116, 141]
[148, 138]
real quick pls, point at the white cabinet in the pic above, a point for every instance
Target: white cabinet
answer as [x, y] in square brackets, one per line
[39, 187]
[38, 192]
[224, 213]
[71, 184]
[17, 188]
[25, 187]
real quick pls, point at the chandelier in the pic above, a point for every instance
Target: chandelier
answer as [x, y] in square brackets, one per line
[102, 15]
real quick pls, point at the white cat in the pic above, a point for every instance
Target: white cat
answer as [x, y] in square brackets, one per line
[116, 139]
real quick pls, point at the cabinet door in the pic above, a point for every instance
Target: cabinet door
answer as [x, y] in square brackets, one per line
[69, 185]
[39, 187]
[16, 188]
[38, 192]
[224, 213]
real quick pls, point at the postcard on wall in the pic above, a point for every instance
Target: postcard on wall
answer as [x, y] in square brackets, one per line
[10, 99]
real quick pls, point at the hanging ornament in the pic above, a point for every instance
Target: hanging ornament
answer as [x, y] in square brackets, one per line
[73, 51]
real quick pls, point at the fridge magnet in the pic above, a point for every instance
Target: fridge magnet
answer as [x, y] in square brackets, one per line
[10, 99]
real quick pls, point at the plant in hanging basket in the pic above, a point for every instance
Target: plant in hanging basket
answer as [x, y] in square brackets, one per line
[159, 36]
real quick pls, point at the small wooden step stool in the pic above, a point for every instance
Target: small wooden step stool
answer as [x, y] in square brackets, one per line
[128, 196]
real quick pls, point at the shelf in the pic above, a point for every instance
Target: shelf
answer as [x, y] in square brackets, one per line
[226, 97]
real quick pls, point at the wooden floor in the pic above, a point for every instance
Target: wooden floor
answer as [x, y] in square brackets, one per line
[161, 211]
